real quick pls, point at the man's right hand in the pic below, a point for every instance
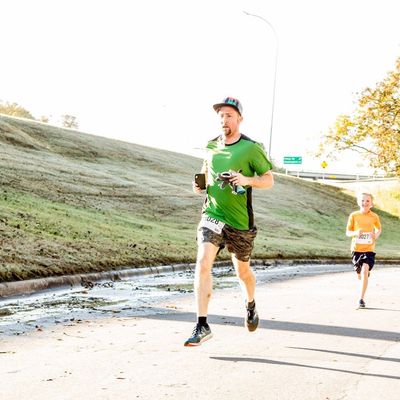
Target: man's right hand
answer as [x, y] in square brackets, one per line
[196, 188]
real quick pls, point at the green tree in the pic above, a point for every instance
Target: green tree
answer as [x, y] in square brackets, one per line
[69, 121]
[373, 129]
[15, 110]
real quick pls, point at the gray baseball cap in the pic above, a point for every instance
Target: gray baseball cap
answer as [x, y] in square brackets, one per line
[230, 102]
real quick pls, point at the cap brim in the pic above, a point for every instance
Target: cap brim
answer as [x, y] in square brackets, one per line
[216, 107]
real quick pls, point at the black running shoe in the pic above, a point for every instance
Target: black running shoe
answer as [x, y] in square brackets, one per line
[361, 304]
[200, 334]
[251, 319]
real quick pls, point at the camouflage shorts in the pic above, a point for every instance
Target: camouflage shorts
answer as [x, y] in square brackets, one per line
[239, 243]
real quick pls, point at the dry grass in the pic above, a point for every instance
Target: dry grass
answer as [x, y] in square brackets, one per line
[72, 202]
[389, 199]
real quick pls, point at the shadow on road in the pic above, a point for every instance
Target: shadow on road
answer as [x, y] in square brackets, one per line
[16, 328]
[342, 353]
[285, 326]
[272, 362]
[380, 309]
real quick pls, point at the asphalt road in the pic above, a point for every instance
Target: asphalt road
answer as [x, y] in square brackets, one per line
[312, 343]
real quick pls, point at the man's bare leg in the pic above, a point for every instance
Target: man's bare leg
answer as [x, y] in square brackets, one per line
[206, 254]
[247, 281]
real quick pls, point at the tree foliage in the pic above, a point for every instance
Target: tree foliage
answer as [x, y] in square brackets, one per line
[15, 110]
[44, 118]
[374, 128]
[69, 121]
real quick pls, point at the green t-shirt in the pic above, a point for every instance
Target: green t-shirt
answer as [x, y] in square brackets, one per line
[246, 156]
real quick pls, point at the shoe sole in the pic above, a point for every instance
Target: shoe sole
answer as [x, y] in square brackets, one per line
[251, 328]
[208, 337]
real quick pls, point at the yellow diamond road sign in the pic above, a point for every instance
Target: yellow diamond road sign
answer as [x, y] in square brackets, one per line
[324, 164]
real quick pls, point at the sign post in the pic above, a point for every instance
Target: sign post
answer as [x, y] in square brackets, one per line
[324, 164]
[292, 160]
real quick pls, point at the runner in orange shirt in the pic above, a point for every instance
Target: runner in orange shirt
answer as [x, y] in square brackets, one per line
[364, 227]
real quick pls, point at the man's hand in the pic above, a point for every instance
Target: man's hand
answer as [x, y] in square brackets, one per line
[196, 188]
[239, 179]
[265, 181]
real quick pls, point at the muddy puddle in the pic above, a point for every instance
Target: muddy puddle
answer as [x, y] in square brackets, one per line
[133, 297]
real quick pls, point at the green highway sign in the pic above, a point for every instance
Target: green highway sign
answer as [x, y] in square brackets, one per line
[292, 160]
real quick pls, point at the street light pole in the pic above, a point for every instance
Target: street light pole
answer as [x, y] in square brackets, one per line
[274, 84]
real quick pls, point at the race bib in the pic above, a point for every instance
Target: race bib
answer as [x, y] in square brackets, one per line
[365, 238]
[212, 224]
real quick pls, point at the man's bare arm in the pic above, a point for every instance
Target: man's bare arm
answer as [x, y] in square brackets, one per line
[264, 181]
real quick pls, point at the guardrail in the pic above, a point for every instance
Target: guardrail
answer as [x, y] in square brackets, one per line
[339, 177]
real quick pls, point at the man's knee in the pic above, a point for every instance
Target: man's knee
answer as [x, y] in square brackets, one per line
[205, 257]
[203, 266]
[243, 270]
[245, 275]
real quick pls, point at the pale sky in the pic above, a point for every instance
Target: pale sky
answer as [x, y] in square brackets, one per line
[149, 71]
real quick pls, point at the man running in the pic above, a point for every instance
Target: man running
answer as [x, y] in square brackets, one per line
[233, 166]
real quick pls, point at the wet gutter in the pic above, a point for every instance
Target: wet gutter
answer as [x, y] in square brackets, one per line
[30, 286]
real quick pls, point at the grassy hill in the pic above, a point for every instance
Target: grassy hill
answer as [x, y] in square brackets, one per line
[72, 203]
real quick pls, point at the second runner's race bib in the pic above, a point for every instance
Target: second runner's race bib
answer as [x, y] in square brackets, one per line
[212, 224]
[364, 238]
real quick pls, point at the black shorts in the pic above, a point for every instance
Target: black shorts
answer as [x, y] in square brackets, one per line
[240, 243]
[358, 259]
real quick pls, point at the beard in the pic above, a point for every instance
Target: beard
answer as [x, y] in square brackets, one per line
[227, 131]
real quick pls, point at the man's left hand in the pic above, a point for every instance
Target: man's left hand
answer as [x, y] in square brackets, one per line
[239, 179]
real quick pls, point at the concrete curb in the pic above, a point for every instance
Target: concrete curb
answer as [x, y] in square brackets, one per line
[30, 286]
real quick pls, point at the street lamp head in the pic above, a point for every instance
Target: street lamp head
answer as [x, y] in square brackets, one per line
[275, 69]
